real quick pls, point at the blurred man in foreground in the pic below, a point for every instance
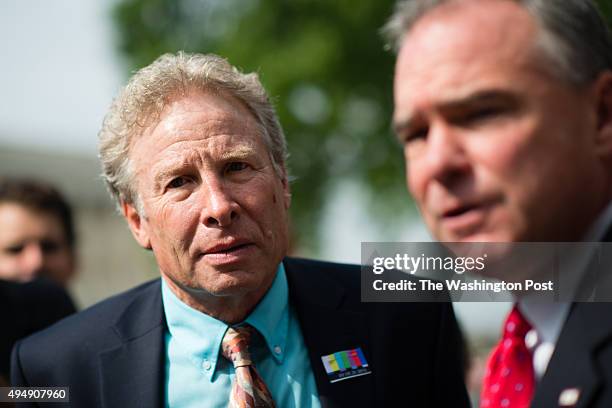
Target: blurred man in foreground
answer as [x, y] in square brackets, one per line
[194, 154]
[37, 236]
[504, 110]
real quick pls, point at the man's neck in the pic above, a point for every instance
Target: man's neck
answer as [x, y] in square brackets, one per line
[228, 309]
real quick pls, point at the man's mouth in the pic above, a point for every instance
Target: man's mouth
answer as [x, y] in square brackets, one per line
[228, 251]
[226, 248]
[458, 211]
[466, 218]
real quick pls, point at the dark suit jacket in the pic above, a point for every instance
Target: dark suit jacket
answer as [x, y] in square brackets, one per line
[112, 355]
[26, 308]
[583, 355]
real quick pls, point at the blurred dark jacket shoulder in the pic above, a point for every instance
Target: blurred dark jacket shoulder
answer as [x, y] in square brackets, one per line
[26, 308]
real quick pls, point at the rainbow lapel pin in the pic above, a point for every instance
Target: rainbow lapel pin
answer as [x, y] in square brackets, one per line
[346, 364]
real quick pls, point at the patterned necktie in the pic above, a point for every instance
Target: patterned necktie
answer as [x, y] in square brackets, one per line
[248, 389]
[509, 379]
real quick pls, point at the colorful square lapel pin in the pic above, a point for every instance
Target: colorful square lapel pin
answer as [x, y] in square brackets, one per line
[346, 364]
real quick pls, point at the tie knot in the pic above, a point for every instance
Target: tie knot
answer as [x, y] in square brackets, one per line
[516, 325]
[235, 345]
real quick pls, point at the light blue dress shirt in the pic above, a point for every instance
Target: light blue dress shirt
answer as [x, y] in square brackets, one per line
[197, 374]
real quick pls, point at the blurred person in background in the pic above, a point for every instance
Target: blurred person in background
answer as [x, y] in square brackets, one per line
[195, 157]
[36, 259]
[504, 111]
[37, 235]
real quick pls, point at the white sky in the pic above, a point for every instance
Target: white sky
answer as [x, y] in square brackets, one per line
[59, 73]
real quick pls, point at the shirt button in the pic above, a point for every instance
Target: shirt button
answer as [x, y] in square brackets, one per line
[277, 349]
[531, 339]
[206, 364]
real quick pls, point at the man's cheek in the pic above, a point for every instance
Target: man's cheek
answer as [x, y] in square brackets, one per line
[415, 186]
[5, 266]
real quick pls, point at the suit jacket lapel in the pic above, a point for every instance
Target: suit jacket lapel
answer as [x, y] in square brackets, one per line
[573, 364]
[328, 328]
[133, 372]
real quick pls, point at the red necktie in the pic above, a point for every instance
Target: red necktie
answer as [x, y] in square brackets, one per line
[509, 379]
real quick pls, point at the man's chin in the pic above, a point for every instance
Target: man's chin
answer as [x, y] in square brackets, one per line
[224, 283]
[478, 236]
[232, 282]
[495, 244]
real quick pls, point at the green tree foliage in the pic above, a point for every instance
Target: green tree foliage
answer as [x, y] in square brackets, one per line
[323, 63]
[606, 9]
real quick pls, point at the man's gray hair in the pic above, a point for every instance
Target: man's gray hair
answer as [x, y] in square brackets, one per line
[575, 36]
[152, 88]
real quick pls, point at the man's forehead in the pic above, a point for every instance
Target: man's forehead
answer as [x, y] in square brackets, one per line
[212, 128]
[16, 219]
[205, 111]
[459, 49]
[199, 118]
[462, 26]
[220, 150]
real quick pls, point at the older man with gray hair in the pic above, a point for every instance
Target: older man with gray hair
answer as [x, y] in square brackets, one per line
[195, 157]
[504, 111]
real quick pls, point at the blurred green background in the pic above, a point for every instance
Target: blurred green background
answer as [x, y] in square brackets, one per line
[325, 67]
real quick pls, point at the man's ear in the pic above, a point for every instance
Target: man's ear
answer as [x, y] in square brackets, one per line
[286, 190]
[138, 225]
[603, 96]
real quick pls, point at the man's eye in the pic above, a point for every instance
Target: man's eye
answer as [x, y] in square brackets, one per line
[14, 250]
[236, 166]
[417, 134]
[482, 114]
[49, 246]
[178, 182]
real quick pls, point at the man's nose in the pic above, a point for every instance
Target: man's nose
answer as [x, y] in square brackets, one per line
[33, 259]
[220, 208]
[445, 157]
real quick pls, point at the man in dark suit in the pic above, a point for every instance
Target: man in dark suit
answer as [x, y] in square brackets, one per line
[194, 154]
[504, 111]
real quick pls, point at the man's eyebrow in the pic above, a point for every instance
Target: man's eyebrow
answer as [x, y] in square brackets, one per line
[238, 153]
[170, 169]
[165, 173]
[399, 127]
[478, 98]
[458, 103]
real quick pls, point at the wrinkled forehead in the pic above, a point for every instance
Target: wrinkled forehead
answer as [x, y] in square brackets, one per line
[228, 112]
[196, 129]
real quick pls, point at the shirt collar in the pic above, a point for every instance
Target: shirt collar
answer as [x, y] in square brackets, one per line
[200, 335]
[271, 316]
[548, 318]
